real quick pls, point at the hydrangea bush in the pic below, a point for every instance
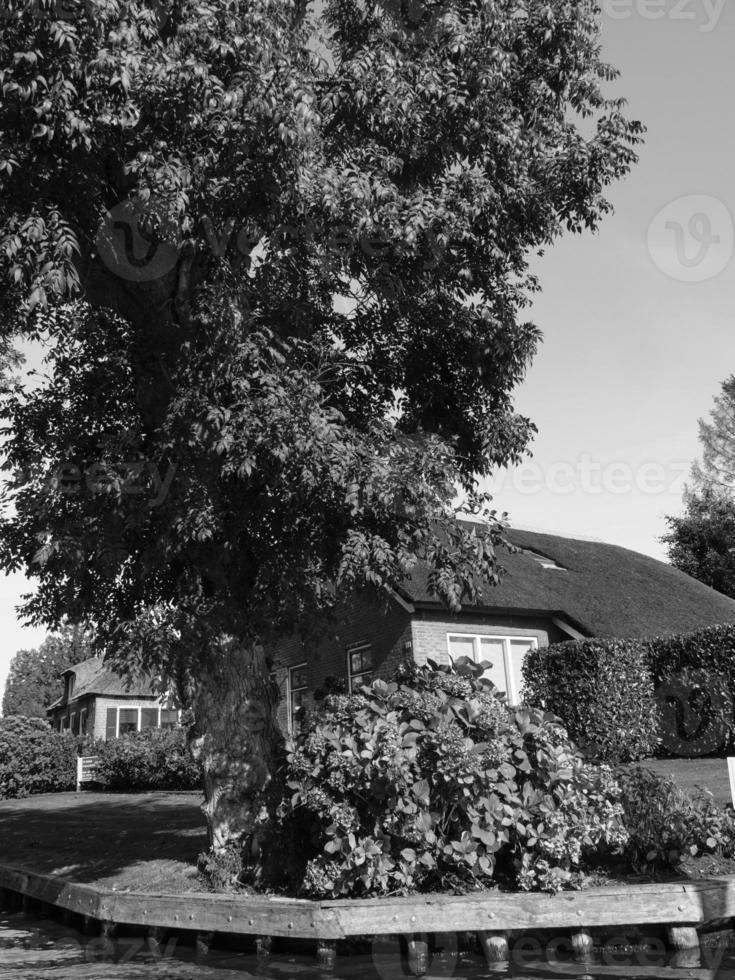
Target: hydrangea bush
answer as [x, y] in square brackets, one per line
[432, 783]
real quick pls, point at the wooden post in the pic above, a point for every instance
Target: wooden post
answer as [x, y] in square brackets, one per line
[326, 953]
[582, 946]
[418, 954]
[107, 937]
[686, 959]
[731, 774]
[154, 939]
[683, 937]
[203, 941]
[263, 946]
[79, 773]
[495, 947]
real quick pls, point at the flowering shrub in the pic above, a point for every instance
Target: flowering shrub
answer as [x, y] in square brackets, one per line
[34, 758]
[433, 783]
[152, 759]
[665, 824]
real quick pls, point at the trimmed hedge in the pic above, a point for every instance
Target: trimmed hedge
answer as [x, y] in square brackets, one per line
[34, 758]
[604, 693]
[152, 759]
[626, 700]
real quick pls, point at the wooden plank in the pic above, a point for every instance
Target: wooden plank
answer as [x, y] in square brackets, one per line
[671, 903]
[84, 899]
[223, 913]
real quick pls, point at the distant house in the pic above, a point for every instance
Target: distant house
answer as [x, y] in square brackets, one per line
[97, 701]
[555, 589]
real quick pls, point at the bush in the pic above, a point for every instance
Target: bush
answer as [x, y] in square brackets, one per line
[34, 758]
[665, 824]
[433, 783]
[694, 677]
[627, 700]
[604, 693]
[153, 759]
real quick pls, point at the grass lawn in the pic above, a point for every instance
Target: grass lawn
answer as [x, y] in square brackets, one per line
[149, 842]
[690, 774]
[135, 841]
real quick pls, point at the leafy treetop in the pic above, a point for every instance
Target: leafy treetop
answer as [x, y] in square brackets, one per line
[319, 339]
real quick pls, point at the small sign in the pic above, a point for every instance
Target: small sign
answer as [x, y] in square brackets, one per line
[86, 769]
[731, 774]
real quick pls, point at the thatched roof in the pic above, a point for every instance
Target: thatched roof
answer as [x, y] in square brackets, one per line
[602, 589]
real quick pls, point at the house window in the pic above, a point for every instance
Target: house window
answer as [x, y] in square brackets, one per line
[74, 723]
[544, 560]
[83, 721]
[128, 720]
[359, 666]
[504, 653]
[297, 688]
[69, 687]
[169, 717]
[148, 718]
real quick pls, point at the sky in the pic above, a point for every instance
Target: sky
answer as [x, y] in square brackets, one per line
[638, 318]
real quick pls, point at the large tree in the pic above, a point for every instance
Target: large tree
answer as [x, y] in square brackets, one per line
[34, 681]
[717, 468]
[701, 541]
[278, 256]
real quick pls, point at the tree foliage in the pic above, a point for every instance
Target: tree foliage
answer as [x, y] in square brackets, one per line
[33, 681]
[717, 469]
[701, 541]
[348, 199]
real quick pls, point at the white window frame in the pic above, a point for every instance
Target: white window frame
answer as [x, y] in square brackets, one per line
[72, 720]
[125, 707]
[512, 695]
[290, 689]
[358, 648]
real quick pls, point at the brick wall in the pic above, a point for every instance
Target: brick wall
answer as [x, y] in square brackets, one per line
[384, 625]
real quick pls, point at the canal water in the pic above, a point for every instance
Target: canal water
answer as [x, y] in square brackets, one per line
[33, 948]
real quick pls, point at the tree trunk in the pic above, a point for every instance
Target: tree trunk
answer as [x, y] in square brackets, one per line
[237, 740]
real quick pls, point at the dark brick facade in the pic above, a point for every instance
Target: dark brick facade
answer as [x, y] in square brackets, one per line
[394, 634]
[386, 626]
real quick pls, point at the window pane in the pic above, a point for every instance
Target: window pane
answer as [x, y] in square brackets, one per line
[360, 660]
[148, 718]
[357, 680]
[518, 651]
[128, 720]
[298, 678]
[75, 723]
[492, 649]
[461, 646]
[83, 722]
[111, 723]
[169, 717]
